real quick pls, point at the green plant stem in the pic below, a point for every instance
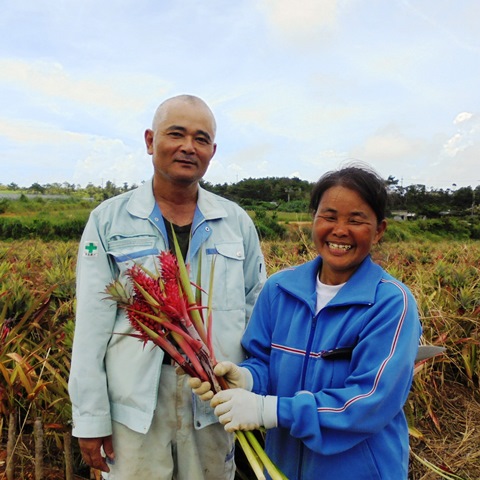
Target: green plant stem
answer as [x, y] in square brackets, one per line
[434, 468]
[252, 458]
[185, 281]
[272, 469]
[209, 313]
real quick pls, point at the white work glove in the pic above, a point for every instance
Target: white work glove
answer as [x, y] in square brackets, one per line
[236, 377]
[239, 409]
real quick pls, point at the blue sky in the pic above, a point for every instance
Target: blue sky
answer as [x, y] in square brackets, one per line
[297, 87]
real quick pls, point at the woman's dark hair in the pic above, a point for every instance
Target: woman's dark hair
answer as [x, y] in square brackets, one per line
[359, 178]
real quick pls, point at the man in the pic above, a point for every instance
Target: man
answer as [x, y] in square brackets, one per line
[133, 415]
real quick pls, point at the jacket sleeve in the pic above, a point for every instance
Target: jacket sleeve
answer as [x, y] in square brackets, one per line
[95, 318]
[254, 266]
[374, 391]
[258, 338]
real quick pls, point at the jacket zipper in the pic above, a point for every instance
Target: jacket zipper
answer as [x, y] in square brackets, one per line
[302, 385]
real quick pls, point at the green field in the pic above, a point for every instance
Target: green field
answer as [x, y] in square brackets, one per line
[439, 259]
[37, 288]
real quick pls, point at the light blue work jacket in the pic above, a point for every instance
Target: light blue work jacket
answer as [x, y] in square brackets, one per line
[116, 377]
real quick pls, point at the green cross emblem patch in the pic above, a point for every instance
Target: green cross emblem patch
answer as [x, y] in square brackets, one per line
[90, 249]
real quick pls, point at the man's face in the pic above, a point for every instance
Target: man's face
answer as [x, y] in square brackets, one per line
[181, 142]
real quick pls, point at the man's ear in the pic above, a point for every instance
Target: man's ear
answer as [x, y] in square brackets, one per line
[149, 140]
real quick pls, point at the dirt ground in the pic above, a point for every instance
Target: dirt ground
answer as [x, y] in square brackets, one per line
[453, 446]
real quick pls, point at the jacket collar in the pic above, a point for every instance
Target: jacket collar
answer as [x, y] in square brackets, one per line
[142, 202]
[302, 283]
[361, 288]
[210, 205]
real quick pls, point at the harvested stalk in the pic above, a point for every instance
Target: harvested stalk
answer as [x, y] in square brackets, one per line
[38, 437]
[163, 309]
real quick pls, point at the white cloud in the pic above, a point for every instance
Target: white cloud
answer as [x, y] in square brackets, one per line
[296, 86]
[461, 152]
[467, 135]
[43, 151]
[389, 145]
[246, 162]
[458, 25]
[29, 132]
[90, 101]
[454, 145]
[275, 110]
[448, 157]
[462, 117]
[300, 20]
[51, 80]
[109, 159]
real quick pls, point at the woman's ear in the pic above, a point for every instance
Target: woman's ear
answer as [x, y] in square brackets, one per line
[381, 227]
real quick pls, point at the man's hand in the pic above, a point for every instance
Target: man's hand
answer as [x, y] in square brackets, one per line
[202, 389]
[91, 452]
[239, 409]
[236, 377]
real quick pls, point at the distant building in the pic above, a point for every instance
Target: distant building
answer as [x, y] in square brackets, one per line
[402, 215]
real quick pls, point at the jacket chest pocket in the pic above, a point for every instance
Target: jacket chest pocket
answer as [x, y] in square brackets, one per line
[229, 282]
[136, 249]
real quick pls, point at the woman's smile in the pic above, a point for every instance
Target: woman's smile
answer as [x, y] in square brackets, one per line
[344, 229]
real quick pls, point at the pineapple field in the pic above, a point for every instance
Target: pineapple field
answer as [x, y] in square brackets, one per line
[37, 304]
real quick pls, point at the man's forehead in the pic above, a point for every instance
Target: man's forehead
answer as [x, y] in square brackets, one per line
[192, 104]
[178, 106]
[182, 114]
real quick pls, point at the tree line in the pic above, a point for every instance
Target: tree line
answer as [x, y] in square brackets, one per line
[290, 195]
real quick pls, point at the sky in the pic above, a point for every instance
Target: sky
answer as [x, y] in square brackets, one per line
[298, 87]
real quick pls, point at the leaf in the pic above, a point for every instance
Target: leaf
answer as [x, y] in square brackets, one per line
[414, 432]
[24, 379]
[187, 290]
[209, 311]
[6, 374]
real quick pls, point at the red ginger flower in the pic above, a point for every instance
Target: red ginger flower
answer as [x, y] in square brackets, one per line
[173, 302]
[163, 310]
[135, 317]
[141, 280]
[168, 266]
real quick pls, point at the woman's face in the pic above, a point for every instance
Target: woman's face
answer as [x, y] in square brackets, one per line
[344, 229]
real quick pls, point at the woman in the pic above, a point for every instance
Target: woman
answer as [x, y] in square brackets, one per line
[331, 346]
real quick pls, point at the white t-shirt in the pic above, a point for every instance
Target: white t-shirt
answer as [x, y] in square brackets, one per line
[325, 293]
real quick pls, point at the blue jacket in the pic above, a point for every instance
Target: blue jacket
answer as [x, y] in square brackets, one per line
[339, 418]
[113, 376]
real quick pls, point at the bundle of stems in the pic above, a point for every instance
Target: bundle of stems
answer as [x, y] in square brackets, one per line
[162, 308]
